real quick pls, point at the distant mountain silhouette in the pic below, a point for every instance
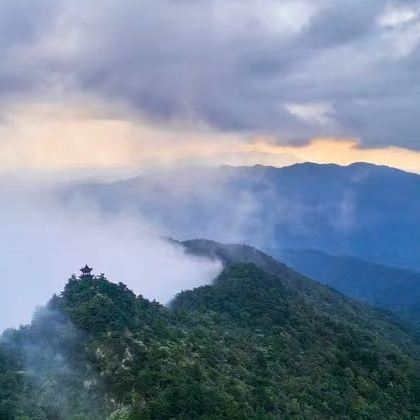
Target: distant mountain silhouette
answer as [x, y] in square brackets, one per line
[367, 211]
[389, 287]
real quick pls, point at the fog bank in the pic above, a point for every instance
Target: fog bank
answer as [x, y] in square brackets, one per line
[41, 245]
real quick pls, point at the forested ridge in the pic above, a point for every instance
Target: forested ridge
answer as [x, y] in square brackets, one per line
[384, 286]
[261, 342]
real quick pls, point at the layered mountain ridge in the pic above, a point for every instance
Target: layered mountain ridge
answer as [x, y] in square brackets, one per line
[362, 210]
[388, 287]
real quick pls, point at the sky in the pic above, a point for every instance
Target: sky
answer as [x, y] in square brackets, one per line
[102, 86]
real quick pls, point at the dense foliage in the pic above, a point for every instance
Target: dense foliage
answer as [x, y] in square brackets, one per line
[252, 345]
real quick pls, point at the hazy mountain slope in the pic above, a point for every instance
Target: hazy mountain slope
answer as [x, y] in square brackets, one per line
[389, 287]
[361, 210]
[252, 345]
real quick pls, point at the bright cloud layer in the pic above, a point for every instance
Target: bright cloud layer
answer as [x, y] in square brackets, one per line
[80, 142]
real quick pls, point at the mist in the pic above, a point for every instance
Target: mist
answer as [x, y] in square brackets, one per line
[51, 228]
[43, 243]
[264, 207]
[56, 368]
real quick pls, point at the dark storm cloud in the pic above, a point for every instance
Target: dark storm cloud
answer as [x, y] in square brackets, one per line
[294, 69]
[22, 23]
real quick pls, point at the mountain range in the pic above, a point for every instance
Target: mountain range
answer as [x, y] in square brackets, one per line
[362, 210]
[261, 342]
[388, 287]
[322, 322]
[354, 228]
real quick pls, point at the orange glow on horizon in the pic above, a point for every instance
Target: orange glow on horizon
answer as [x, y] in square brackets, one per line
[44, 139]
[338, 151]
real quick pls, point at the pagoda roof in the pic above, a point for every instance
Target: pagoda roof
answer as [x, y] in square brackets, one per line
[86, 269]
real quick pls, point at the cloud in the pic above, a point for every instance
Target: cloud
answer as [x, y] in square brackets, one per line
[319, 113]
[396, 16]
[402, 25]
[42, 244]
[55, 141]
[230, 64]
[278, 18]
[80, 141]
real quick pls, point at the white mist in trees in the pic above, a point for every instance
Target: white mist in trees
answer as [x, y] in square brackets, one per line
[55, 367]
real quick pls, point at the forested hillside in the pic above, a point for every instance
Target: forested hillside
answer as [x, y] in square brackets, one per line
[252, 345]
[388, 287]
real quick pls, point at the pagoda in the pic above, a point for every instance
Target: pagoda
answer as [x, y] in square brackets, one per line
[86, 272]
